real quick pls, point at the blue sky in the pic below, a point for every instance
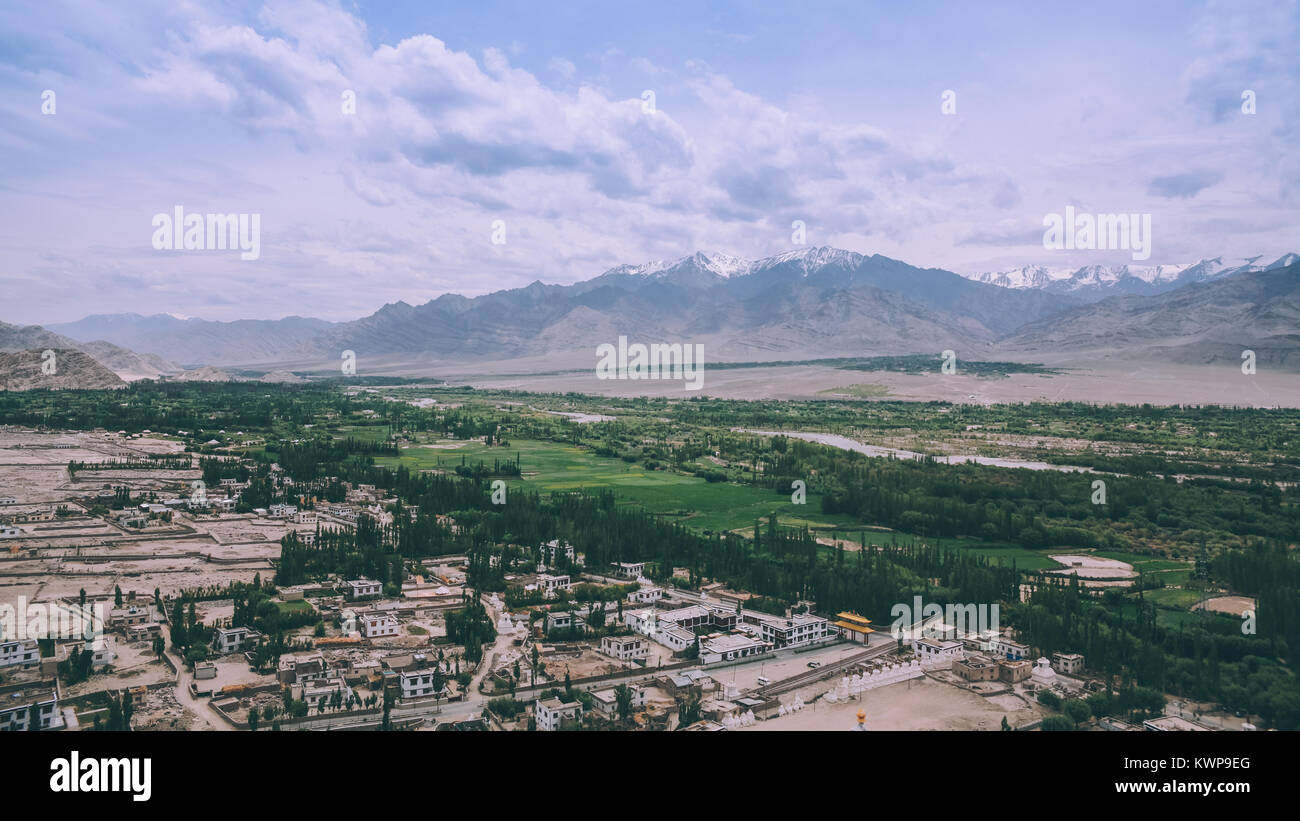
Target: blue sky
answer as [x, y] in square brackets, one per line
[532, 114]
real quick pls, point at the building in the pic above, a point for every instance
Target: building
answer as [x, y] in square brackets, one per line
[16, 707]
[362, 588]
[19, 653]
[649, 594]
[301, 668]
[552, 585]
[235, 639]
[976, 668]
[417, 683]
[629, 570]
[554, 549]
[853, 627]
[731, 647]
[606, 701]
[625, 648]
[553, 714]
[204, 670]
[1012, 671]
[325, 692]
[305, 517]
[937, 652]
[124, 617]
[564, 620]
[281, 511]
[10, 532]
[148, 631]
[1161, 724]
[377, 625]
[1068, 663]
[1008, 649]
[796, 631]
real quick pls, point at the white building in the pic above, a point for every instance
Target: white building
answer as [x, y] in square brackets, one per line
[282, 511]
[552, 550]
[1068, 663]
[552, 585]
[377, 625]
[16, 709]
[938, 652]
[23, 653]
[553, 714]
[728, 648]
[361, 588]
[235, 639]
[648, 594]
[629, 570]
[606, 702]
[320, 693]
[305, 517]
[625, 648]
[796, 631]
[417, 683]
[1008, 649]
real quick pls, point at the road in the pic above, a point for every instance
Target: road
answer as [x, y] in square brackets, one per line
[204, 712]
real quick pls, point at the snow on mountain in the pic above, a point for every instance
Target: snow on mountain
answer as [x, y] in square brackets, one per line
[1099, 281]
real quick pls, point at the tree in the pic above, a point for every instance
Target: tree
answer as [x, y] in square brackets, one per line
[439, 682]
[1006, 726]
[252, 719]
[1077, 710]
[159, 647]
[1057, 724]
[83, 597]
[623, 702]
[688, 709]
[117, 595]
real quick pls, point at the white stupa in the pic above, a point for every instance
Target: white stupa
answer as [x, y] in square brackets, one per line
[1043, 675]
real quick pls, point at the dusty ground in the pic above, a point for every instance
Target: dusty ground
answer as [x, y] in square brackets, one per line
[920, 704]
[1232, 605]
[1093, 567]
[1115, 381]
[57, 559]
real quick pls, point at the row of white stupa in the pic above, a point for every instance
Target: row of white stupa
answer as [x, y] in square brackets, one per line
[879, 677]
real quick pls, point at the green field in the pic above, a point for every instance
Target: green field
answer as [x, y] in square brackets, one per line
[1024, 558]
[1174, 597]
[550, 466]
[1145, 564]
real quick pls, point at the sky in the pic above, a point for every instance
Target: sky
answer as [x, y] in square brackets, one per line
[492, 144]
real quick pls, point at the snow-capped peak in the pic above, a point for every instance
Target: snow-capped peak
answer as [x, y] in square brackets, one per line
[1123, 278]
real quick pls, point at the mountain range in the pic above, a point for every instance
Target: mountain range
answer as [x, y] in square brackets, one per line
[808, 303]
[1095, 282]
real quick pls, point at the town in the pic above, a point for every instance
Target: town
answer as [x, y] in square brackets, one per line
[211, 587]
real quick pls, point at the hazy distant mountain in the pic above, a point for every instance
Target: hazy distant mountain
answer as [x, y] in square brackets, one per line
[809, 303]
[1094, 282]
[127, 364]
[815, 301]
[1206, 322]
[199, 341]
[24, 370]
